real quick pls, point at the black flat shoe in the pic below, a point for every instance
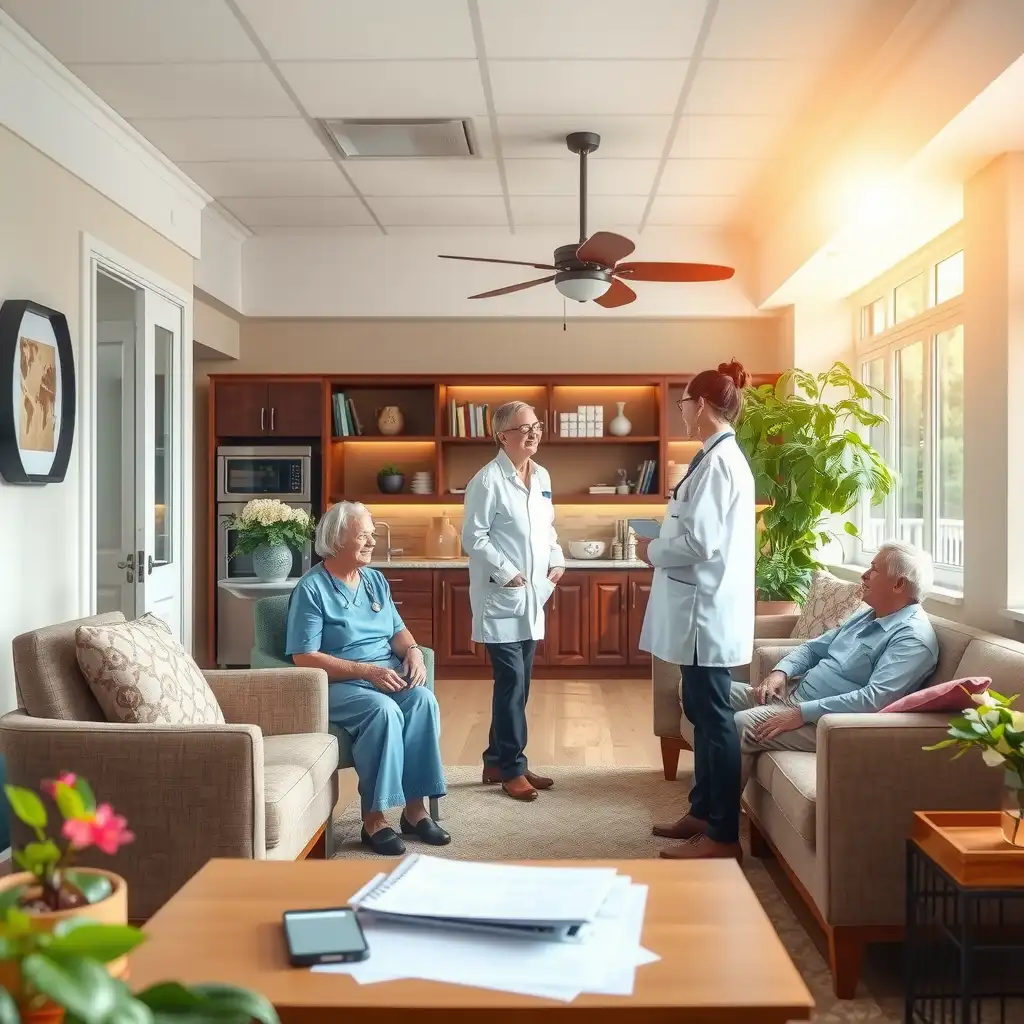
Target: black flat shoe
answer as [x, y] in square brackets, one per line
[426, 829]
[384, 841]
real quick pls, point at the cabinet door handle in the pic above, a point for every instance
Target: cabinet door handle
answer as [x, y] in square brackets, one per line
[271, 419]
[554, 599]
[397, 604]
[263, 416]
[444, 591]
[393, 579]
[632, 591]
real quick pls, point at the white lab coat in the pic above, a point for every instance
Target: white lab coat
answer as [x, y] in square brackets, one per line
[702, 595]
[508, 531]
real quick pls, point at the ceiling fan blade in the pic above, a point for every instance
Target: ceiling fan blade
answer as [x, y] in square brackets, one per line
[673, 272]
[486, 259]
[618, 295]
[513, 288]
[605, 248]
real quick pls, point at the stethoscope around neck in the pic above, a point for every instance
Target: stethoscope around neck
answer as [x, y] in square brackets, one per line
[705, 452]
[375, 602]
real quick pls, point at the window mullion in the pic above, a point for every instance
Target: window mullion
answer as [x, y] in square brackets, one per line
[931, 426]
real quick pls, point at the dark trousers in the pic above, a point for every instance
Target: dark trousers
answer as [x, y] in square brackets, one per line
[512, 664]
[715, 797]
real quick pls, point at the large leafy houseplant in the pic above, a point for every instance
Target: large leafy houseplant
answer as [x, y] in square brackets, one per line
[811, 465]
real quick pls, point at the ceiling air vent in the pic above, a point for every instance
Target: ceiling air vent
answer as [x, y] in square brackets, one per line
[398, 139]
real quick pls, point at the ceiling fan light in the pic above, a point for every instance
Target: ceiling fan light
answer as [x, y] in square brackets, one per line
[583, 285]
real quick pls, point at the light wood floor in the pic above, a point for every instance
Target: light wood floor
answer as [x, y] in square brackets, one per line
[571, 721]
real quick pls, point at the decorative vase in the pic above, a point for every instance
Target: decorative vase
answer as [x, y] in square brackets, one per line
[390, 420]
[272, 562]
[391, 483]
[1013, 809]
[442, 539]
[620, 426]
[112, 910]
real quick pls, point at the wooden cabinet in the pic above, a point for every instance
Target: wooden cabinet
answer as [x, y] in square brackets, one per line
[639, 595]
[609, 614]
[261, 409]
[567, 635]
[413, 594]
[453, 644]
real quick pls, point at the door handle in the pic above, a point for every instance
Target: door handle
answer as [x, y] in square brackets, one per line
[444, 591]
[263, 413]
[632, 591]
[149, 565]
[554, 599]
[271, 419]
[129, 564]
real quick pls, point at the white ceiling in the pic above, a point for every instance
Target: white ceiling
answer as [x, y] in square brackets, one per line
[691, 98]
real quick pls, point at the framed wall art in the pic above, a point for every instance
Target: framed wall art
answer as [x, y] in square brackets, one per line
[37, 393]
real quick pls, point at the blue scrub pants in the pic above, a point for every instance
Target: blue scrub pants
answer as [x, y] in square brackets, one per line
[394, 742]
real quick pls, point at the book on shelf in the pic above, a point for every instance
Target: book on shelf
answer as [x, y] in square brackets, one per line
[345, 419]
[469, 419]
[647, 477]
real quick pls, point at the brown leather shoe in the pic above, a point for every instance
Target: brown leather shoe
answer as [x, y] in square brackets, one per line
[492, 776]
[519, 789]
[700, 847]
[685, 828]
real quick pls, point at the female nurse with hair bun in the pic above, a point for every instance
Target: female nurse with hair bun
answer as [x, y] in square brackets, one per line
[701, 610]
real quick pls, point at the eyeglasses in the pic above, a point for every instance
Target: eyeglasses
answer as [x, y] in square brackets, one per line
[526, 429]
[688, 398]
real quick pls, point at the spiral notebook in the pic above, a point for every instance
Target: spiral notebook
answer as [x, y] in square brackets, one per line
[534, 902]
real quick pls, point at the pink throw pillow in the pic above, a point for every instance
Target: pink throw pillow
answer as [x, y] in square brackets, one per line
[952, 696]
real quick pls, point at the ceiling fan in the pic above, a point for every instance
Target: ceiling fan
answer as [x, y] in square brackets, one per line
[590, 269]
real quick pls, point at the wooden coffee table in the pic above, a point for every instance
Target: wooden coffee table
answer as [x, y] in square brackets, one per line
[721, 959]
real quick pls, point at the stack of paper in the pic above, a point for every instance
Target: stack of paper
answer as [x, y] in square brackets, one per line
[464, 923]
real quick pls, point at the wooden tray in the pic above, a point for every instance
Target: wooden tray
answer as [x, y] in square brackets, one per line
[969, 846]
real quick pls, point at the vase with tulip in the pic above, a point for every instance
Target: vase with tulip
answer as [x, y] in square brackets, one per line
[998, 730]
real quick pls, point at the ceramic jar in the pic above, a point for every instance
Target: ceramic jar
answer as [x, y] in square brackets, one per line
[272, 562]
[390, 420]
[620, 426]
[442, 539]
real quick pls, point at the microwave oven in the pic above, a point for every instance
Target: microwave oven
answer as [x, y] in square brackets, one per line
[265, 471]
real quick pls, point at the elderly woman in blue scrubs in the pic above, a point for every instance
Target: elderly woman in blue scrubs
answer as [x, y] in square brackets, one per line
[342, 618]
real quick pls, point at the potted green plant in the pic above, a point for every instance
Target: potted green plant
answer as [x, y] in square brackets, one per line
[268, 530]
[811, 466]
[998, 730]
[390, 480]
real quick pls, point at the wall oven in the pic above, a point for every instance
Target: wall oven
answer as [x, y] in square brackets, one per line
[265, 471]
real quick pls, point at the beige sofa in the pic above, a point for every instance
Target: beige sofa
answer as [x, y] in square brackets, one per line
[838, 819]
[263, 786]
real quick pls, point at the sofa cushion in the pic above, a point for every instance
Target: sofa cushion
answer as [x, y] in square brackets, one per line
[952, 695]
[296, 768]
[138, 672]
[790, 776]
[830, 601]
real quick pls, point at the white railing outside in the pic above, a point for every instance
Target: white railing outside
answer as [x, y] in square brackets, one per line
[949, 546]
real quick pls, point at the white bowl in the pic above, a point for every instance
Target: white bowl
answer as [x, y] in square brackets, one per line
[586, 548]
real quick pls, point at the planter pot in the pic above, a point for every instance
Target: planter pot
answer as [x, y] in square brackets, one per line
[777, 608]
[272, 562]
[391, 484]
[1013, 809]
[112, 910]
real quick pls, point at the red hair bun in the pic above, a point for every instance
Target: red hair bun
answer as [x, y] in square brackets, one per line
[735, 372]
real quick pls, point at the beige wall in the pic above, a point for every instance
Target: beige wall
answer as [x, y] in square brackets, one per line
[44, 210]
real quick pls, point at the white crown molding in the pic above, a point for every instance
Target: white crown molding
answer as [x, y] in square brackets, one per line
[48, 107]
[234, 227]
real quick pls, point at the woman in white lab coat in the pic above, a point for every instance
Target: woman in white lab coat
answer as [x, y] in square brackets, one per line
[514, 564]
[701, 610]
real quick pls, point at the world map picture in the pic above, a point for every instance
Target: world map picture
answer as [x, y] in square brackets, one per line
[38, 362]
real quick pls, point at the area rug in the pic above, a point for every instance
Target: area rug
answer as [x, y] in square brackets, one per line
[605, 812]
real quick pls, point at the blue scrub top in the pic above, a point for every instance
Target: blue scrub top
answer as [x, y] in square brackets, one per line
[325, 615]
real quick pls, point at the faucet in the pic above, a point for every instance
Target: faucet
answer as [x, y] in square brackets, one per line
[391, 550]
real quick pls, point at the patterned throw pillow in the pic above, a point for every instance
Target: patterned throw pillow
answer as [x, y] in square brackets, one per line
[829, 602]
[139, 673]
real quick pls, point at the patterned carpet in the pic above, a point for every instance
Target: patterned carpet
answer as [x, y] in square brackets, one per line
[601, 811]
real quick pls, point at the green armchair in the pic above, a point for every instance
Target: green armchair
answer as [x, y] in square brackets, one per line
[269, 626]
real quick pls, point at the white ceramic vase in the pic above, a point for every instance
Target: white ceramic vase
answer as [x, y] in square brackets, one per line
[620, 426]
[272, 562]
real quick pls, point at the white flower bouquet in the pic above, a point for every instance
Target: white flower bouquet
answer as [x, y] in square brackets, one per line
[269, 522]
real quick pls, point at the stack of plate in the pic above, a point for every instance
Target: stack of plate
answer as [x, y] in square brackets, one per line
[676, 472]
[423, 483]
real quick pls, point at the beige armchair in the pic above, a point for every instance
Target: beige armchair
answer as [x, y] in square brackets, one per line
[263, 786]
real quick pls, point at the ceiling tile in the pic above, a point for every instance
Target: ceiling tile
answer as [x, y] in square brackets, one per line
[620, 136]
[649, 29]
[444, 211]
[561, 176]
[735, 136]
[691, 210]
[298, 212]
[599, 87]
[563, 211]
[785, 29]
[188, 90]
[750, 86]
[134, 30]
[219, 138]
[463, 177]
[269, 178]
[706, 177]
[443, 88]
[329, 30]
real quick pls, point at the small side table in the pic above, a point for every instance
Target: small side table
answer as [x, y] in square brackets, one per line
[965, 921]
